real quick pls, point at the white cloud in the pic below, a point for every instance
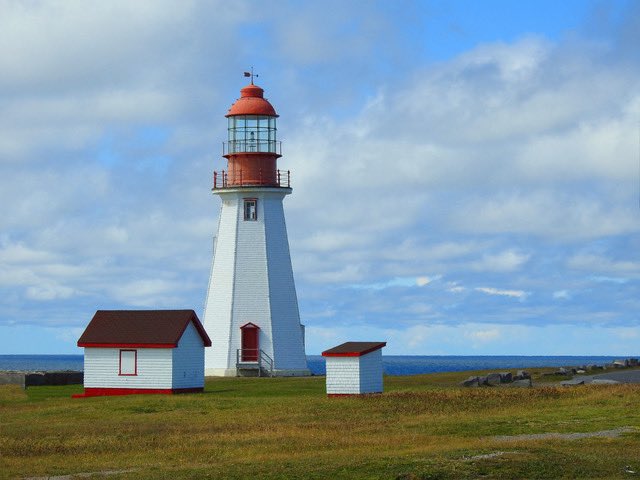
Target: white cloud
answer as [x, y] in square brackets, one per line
[397, 282]
[600, 264]
[455, 288]
[505, 293]
[490, 167]
[149, 292]
[422, 281]
[484, 335]
[49, 292]
[506, 261]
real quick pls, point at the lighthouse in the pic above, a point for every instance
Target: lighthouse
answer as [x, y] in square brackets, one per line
[251, 310]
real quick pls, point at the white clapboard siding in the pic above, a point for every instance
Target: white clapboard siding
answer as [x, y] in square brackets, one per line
[371, 372]
[252, 281]
[355, 375]
[343, 375]
[101, 368]
[288, 344]
[219, 302]
[188, 360]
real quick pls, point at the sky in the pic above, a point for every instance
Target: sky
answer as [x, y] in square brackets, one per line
[466, 175]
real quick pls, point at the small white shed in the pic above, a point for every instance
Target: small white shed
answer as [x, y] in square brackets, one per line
[143, 351]
[354, 368]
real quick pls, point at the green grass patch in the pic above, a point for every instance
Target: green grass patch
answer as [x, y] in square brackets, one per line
[422, 427]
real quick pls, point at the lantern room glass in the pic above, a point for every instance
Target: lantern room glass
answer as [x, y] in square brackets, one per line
[252, 133]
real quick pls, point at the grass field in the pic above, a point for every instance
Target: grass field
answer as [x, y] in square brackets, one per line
[422, 427]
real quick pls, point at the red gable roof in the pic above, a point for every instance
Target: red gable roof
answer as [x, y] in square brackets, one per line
[140, 328]
[353, 349]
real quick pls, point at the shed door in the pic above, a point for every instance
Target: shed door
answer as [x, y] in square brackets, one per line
[250, 345]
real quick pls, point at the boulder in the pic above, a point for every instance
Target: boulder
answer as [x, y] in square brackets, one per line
[494, 379]
[470, 382]
[581, 371]
[524, 382]
[521, 375]
[572, 382]
[506, 377]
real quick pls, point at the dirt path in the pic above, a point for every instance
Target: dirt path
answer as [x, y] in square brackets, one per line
[616, 432]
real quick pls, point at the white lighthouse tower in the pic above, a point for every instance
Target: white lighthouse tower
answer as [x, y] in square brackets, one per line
[251, 311]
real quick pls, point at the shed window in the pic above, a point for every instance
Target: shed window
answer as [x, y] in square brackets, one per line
[251, 209]
[128, 362]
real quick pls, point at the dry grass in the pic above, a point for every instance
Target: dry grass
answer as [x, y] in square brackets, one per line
[287, 428]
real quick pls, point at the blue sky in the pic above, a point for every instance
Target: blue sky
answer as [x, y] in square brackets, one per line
[465, 174]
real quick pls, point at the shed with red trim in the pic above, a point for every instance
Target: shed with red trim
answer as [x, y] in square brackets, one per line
[143, 351]
[354, 368]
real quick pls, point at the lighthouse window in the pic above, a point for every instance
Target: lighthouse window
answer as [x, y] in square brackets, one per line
[252, 133]
[250, 209]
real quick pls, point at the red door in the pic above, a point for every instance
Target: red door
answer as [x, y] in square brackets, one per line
[250, 346]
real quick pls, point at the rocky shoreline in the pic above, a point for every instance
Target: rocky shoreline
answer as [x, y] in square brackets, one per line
[523, 378]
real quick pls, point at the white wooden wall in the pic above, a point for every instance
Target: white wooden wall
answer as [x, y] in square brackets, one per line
[343, 375]
[288, 344]
[252, 281]
[355, 375]
[371, 372]
[101, 369]
[188, 360]
[157, 368]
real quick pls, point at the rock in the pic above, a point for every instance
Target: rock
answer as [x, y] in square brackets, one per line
[562, 371]
[604, 381]
[470, 382]
[581, 371]
[482, 380]
[506, 377]
[522, 374]
[494, 379]
[572, 382]
[633, 362]
[620, 364]
[525, 382]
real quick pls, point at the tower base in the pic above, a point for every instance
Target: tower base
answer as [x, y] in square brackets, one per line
[232, 372]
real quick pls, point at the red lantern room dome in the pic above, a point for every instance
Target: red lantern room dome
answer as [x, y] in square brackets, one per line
[252, 102]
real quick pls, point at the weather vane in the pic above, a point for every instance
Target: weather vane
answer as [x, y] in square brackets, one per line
[251, 74]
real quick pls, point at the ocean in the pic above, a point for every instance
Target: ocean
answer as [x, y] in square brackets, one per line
[393, 365]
